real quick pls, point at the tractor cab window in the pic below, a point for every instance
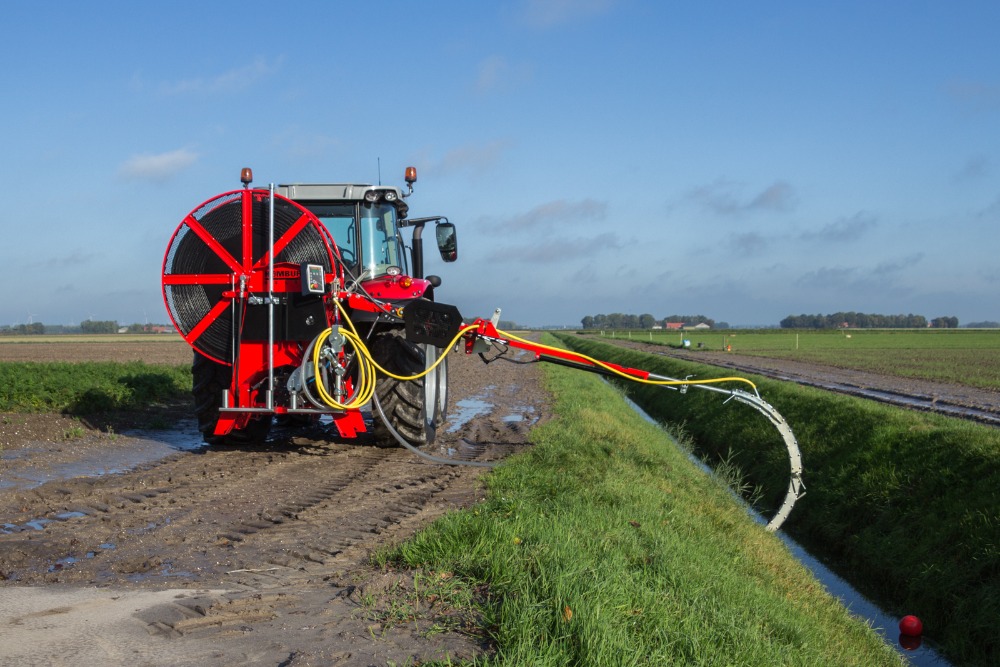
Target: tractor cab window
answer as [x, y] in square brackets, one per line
[380, 241]
[339, 219]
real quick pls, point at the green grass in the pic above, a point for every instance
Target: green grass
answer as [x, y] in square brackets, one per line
[605, 545]
[89, 387]
[905, 505]
[963, 356]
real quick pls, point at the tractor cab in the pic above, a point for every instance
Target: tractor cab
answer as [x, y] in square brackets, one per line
[366, 223]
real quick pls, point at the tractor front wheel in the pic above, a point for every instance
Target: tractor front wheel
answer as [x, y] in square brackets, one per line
[436, 385]
[403, 402]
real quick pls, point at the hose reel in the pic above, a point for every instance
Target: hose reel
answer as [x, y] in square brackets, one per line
[220, 254]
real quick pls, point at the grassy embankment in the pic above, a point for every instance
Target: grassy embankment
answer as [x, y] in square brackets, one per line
[905, 505]
[605, 545]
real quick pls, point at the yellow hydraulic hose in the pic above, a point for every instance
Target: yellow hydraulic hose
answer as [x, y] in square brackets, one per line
[367, 366]
[669, 383]
[366, 373]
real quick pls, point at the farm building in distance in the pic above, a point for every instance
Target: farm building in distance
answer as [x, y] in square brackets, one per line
[681, 326]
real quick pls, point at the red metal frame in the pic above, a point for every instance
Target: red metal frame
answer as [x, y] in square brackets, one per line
[247, 397]
[486, 330]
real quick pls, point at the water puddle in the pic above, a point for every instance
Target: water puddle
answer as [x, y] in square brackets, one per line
[469, 408]
[912, 649]
[165, 569]
[525, 413]
[130, 450]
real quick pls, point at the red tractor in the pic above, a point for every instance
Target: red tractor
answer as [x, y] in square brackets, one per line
[253, 279]
[303, 302]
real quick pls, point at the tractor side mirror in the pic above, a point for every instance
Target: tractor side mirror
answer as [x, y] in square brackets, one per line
[447, 241]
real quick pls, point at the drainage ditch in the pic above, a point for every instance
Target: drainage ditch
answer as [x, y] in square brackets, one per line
[917, 650]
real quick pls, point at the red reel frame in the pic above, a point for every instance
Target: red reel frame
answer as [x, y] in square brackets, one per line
[217, 265]
[215, 260]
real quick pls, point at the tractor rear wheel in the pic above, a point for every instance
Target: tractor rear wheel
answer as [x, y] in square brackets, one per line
[209, 379]
[403, 402]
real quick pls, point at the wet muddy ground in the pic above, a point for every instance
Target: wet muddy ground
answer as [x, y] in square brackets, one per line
[145, 548]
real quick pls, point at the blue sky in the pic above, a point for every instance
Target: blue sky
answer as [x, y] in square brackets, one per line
[745, 161]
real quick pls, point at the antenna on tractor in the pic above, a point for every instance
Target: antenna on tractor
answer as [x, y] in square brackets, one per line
[379, 170]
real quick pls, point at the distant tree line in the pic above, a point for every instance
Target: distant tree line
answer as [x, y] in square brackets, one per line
[866, 321]
[644, 321]
[988, 324]
[86, 327]
[98, 326]
[23, 329]
[618, 321]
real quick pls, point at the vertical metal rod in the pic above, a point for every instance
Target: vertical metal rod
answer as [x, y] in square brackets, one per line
[270, 298]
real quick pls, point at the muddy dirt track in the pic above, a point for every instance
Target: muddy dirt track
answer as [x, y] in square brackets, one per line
[223, 556]
[144, 548]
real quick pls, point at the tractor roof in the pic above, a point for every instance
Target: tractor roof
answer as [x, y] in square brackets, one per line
[344, 192]
[331, 191]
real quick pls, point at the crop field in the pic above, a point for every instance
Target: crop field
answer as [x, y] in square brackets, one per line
[87, 373]
[963, 356]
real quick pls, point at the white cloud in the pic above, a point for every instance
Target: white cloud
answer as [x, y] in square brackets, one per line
[975, 168]
[843, 230]
[471, 158]
[73, 260]
[748, 243]
[159, 167]
[544, 14]
[497, 74]
[723, 197]
[893, 267]
[976, 95]
[236, 79]
[883, 279]
[557, 249]
[991, 212]
[302, 143]
[776, 197]
[550, 214]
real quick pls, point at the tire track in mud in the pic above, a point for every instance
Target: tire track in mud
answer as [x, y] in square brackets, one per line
[204, 515]
[265, 550]
[299, 500]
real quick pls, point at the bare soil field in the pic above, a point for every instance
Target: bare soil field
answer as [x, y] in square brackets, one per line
[226, 556]
[257, 556]
[150, 348]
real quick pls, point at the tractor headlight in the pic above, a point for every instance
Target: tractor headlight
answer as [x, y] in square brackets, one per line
[390, 195]
[371, 196]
